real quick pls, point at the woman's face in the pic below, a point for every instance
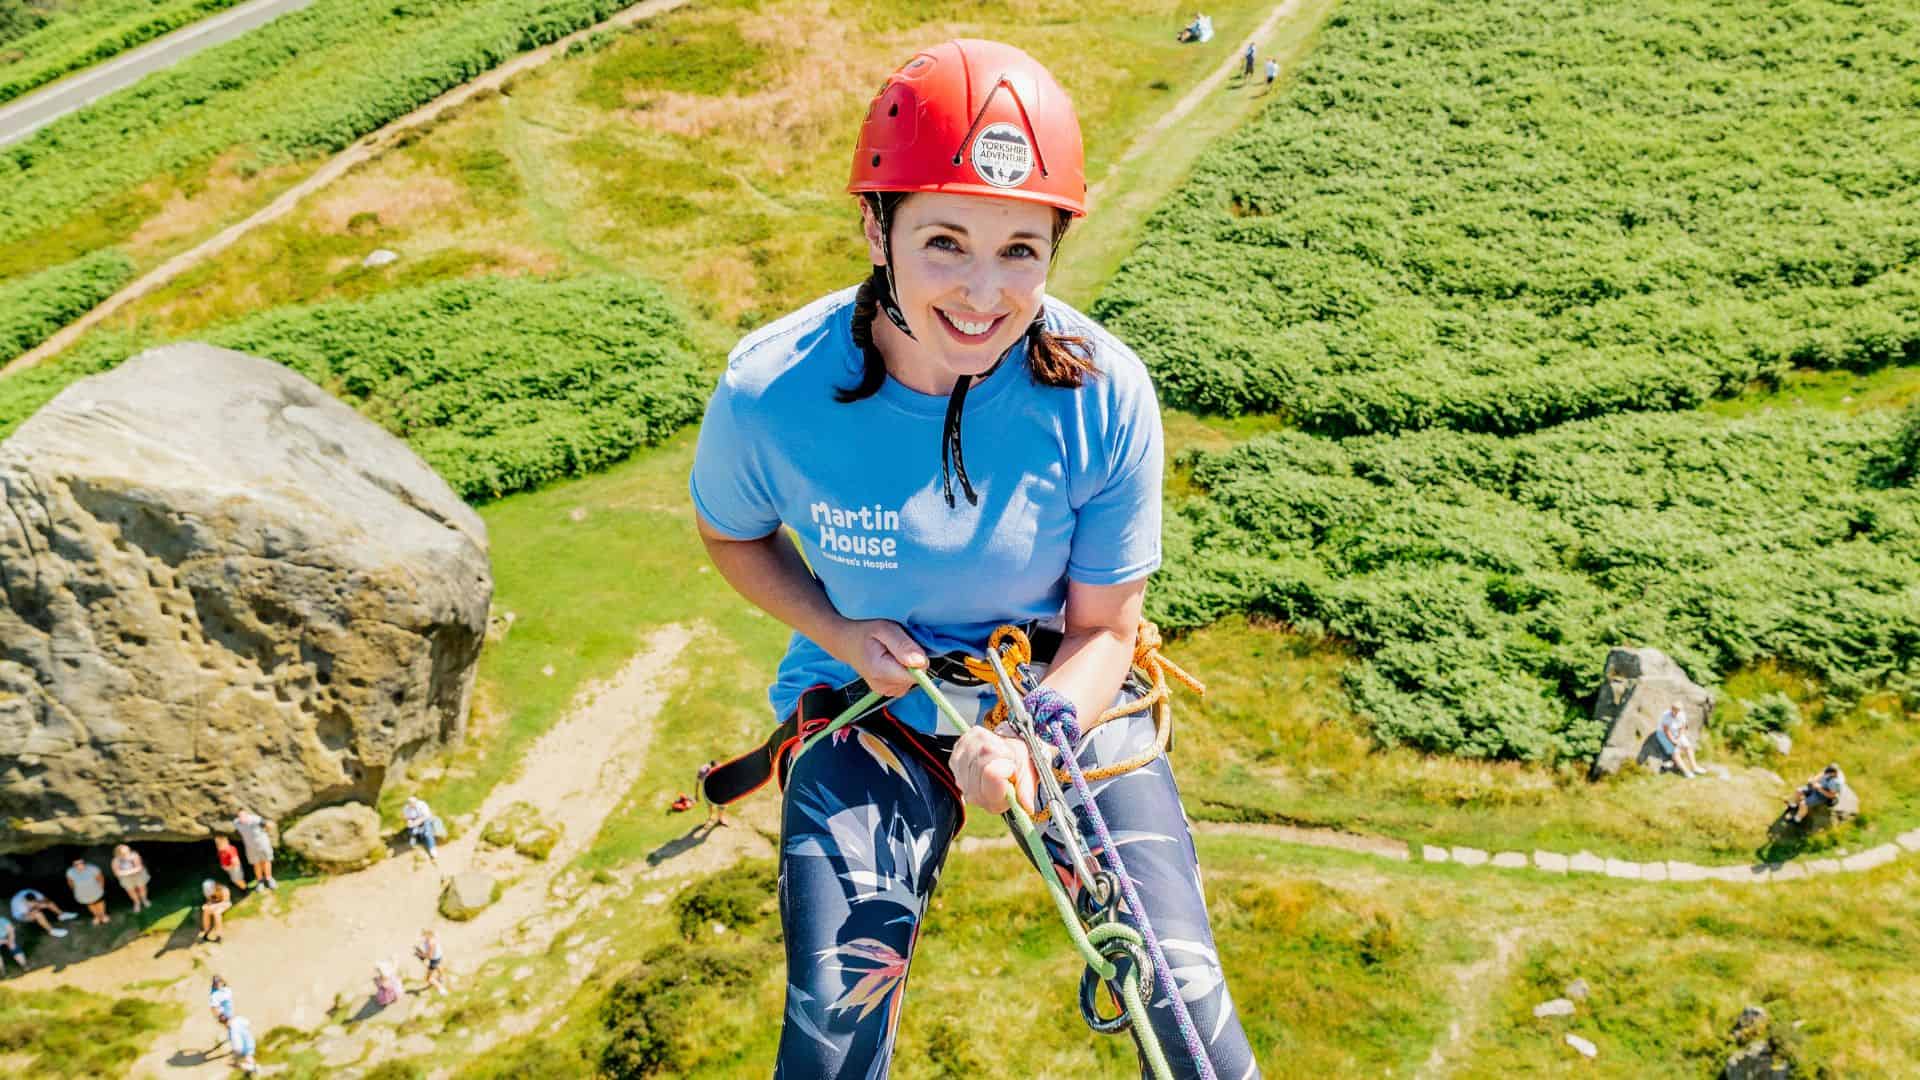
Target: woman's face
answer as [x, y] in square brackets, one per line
[970, 273]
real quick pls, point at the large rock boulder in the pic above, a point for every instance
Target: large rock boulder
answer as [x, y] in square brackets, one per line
[223, 588]
[338, 839]
[1638, 686]
[467, 895]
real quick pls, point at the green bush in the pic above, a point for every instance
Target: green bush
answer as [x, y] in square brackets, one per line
[32, 308]
[57, 43]
[652, 1015]
[1481, 580]
[308, 83]
[1510, 216]
[737, 898]
[501, 384]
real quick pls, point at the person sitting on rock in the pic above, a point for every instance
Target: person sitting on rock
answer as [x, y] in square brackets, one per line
[1676, 741]
[215, 900]
[1822, 789]
[421, 824]
[32, 905]
[10, 945]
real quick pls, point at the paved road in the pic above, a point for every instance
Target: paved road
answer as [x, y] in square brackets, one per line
[22, 116]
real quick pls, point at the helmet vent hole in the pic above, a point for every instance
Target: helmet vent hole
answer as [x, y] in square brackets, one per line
[876, 161]
[893, 109]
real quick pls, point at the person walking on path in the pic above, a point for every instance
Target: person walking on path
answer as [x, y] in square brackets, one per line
[429, 953]
[215, 900]
[229, 857]
[130, 870]
[240, 1044]
[1246, 72]
[968, 169]
[32, 905]
[716, 813]
[1273, 70]
[89, 887]
[253, 836]
[422, 826]
[386, 983]
[220, 1004]
[10, 944]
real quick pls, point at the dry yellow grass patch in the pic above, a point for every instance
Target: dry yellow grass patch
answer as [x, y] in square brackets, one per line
[399, 199]
[188, 213]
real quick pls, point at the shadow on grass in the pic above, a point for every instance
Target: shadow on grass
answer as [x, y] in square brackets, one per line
[1788, 839]
[681, 845]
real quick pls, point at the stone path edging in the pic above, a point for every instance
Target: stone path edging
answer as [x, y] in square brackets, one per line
[1586, 862]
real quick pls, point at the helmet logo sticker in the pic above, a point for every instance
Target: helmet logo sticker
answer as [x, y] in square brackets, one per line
[1002, 156]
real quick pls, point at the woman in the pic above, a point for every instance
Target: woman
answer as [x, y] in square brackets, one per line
[430, 954]
[1677, 741]
[89, 887]
[215, 899]
[968, 170]
[130, 870]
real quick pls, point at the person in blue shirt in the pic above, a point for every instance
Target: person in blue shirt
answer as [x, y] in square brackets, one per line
[900, 468]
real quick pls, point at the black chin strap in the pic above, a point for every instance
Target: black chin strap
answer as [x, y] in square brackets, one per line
[950, 445]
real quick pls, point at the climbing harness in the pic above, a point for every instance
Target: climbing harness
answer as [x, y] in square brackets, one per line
[1094, 923]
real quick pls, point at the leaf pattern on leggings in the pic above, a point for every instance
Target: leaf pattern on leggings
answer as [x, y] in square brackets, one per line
[882, 976]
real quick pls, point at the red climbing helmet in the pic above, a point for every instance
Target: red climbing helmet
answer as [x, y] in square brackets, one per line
[973, 117]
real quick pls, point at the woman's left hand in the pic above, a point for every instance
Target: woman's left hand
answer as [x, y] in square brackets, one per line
[984, 762]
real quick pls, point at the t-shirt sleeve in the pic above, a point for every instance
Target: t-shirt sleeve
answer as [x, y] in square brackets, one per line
[1116, 537]
[729, 481]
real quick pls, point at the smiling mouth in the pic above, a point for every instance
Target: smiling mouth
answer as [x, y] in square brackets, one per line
[971, 330]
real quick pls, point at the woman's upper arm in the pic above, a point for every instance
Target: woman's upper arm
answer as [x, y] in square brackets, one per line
[1106, 607]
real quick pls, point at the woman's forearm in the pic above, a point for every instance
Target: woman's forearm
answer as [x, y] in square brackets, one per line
[1090, 666]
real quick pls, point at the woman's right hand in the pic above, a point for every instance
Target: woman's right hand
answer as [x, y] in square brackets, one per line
[881, 651]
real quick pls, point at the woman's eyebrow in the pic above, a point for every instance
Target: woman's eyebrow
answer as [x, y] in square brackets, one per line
[962, 230]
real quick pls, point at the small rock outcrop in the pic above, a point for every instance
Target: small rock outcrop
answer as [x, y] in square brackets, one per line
[467, 895]
[1757, 1057]
[220, 587]
[520, 827]
[1638, 686]
[338, 839]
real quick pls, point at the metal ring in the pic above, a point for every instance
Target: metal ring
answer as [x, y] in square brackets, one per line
[1114, 949]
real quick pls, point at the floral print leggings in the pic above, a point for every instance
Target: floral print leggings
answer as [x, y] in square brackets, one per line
[865, 831]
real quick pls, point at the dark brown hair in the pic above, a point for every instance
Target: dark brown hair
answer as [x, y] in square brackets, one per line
[1062, 360]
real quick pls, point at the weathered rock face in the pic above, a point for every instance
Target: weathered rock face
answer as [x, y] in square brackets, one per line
[1638, 686]
[467, 895]
[220, 587]
[338, 839]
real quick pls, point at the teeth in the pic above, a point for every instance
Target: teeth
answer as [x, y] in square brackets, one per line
[968, 328]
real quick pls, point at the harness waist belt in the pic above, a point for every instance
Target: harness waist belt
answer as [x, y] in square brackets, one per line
[731, 781]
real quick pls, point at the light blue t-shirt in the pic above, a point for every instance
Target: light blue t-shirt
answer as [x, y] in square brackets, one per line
[1068, 482]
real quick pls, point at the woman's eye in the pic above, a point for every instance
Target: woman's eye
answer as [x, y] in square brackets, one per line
[944, 243]
[1021, 251]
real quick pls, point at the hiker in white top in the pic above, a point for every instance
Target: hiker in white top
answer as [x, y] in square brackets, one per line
[1677, 741]
[253, 836]
[32, 905]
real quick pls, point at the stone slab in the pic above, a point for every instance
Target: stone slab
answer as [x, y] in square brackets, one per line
[1910, 840]
[1871, 858]
[1556, 1007]
[1586, 1048]
[1823, 866]
[1685, 871]
[1653, 871]
[1620, 868]
[1510, 860]
[1467, 856]
[1551, 861]
[1792, 871]
[1586, 862]
[1433, 854]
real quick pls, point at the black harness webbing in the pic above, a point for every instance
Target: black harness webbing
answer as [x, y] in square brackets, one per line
[731, 781]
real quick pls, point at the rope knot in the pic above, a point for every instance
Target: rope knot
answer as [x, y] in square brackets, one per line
[1051, 711]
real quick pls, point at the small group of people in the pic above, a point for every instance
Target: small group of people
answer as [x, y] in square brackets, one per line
[89, 887]
[235, 1031]
[1246, 68]
[716, 813]
[217, 899]
[387, 985]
